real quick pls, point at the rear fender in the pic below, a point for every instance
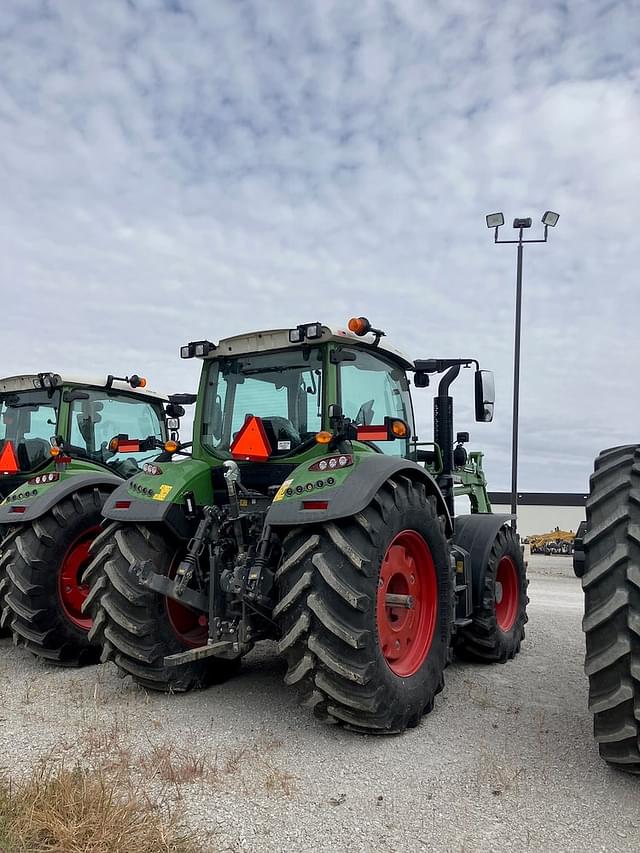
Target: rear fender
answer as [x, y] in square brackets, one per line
[160, 498]
[25, 505]
[476, 534]
[353, 491]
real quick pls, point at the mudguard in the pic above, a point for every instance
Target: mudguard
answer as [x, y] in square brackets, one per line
[354, 493]
[50, 494]
[159, 499]
[476, 533]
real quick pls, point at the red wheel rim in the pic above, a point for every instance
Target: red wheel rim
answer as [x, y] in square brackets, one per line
[405, 633]
[71, 591]
[191, 627]
[507, 594]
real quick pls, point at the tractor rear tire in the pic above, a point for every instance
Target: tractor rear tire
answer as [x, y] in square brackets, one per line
[44, 590]
[7, 546]
[355, 659]
[136, 626]
[497, 627]
[611, 584]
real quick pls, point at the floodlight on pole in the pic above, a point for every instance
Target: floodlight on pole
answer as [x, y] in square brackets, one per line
[495, 221]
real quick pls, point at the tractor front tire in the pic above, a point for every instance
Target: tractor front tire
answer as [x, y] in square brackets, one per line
[44, 590]
[357, 659]
[497, 627]
[611, 584]
[136, 626]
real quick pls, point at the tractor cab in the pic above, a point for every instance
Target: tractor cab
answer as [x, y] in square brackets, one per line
[281, 396]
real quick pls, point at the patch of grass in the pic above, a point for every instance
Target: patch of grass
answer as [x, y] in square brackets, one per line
[174, 766]
[57, 810]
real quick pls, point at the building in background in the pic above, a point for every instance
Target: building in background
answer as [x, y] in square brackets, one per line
[538, 512]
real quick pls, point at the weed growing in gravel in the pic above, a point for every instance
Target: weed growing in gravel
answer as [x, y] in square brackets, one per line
[56, 810]
[173, 766]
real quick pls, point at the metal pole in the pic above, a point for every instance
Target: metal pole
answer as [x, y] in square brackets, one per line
[516, 390]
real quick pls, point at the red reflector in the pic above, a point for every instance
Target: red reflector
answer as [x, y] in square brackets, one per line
[18, 509]
[372, 433]
[8, 460]
[251, 443]
[125, 446]
[122, 504]
[315, 504]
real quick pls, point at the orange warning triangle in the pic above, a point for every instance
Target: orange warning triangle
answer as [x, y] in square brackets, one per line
[251, 443]
[8, 460]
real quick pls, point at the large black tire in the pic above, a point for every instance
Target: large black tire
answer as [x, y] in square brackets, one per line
[39, 619]
[328, 583]
[497, 627]
[131, 622]
[7, 545]
[611, 584]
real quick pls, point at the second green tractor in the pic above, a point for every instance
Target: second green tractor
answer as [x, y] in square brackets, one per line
[65, 445]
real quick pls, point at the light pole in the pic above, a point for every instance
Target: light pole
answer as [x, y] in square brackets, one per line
[495, 220]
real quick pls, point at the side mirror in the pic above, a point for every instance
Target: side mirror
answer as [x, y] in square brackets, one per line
[485, 395]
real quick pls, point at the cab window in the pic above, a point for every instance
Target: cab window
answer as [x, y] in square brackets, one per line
[372, 389]
[28, 421]
[98, 418]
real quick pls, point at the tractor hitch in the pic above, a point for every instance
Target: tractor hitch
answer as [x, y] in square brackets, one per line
[222, 649]
[143, 572]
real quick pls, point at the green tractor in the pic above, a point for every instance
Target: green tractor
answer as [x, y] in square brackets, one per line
[64, 447]
[607, 559]
[309, 513]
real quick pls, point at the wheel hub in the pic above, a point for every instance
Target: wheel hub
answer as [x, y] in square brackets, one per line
[407, 603]
[71, 591]
[507, 594]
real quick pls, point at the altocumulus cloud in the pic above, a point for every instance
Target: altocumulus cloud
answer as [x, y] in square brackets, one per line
[177, 170]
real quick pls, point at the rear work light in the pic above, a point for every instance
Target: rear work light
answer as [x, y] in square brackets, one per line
[197, 349]
[305, 331]
[331, 463]
[42, 479]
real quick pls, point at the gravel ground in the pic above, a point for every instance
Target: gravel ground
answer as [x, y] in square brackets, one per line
[506, 761]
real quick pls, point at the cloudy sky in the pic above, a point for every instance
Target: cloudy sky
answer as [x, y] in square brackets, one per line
[181, 169]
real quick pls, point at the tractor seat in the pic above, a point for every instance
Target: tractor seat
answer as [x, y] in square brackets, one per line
[32, 452]
[281, 430]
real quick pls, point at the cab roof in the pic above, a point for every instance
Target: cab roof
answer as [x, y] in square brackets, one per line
[36, 381]
[275, 339]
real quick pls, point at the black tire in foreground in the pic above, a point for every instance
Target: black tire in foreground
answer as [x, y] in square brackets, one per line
[137, 627]
[7, 546]
[357, 656]
[45, 593]
[497, 627]
[611, 584]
